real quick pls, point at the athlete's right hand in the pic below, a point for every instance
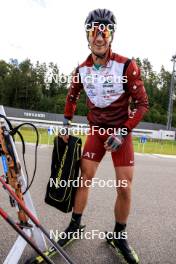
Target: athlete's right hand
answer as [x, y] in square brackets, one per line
[66, 122]
[64, 131]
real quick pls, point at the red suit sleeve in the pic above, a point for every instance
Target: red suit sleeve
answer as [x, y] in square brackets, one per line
[73, 95]
[138, 95]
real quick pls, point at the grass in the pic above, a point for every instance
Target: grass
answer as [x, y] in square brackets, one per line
[152, 146]
[167, 147]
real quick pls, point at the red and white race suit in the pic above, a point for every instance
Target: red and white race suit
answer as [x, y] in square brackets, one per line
[110, 89]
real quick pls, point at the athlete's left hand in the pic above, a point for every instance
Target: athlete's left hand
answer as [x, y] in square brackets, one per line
[113, 143]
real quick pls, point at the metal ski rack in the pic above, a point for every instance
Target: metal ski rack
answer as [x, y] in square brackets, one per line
[17, 249]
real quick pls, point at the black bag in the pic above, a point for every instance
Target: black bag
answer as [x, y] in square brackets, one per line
[65, 165]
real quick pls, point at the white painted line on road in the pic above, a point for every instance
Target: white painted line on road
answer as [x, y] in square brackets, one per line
[136, 153]
[155, 155]
[165, 156]
[33, 144]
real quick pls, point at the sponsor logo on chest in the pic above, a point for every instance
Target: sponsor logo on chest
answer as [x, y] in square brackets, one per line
[103, 86]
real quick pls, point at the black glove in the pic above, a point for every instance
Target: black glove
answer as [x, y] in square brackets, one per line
[64, 130]
[114, 142]
[66, 122]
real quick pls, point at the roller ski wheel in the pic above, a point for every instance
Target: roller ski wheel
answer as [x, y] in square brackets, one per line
[51, 251]
[123, 250]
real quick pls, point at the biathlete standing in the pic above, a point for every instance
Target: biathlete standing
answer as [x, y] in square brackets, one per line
[110, 82]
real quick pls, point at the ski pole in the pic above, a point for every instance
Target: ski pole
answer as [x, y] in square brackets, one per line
[10, 221]
[36, 222]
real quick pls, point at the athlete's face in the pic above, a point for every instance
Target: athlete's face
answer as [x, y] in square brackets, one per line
[99, 42]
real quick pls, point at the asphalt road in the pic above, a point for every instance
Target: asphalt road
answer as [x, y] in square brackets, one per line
[152, 222]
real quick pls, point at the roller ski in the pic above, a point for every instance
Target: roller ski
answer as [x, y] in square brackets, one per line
[122, 249]
[72, 233]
